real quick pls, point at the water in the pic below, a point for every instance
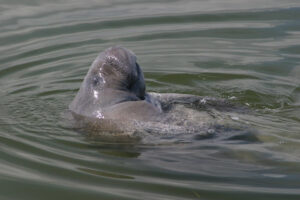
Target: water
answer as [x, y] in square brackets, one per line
[247, 51]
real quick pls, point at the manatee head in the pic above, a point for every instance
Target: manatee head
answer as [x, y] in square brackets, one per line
[116, 68]
[113, 77]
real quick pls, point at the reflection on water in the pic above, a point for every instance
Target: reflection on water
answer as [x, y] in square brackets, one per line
[244, 51]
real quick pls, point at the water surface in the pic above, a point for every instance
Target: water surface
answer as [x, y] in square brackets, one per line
[245, 51]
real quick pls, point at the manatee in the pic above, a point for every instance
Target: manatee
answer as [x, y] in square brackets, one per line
[112, 100]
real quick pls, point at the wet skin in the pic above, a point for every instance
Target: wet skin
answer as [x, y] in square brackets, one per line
[113, 98]
[114, 88]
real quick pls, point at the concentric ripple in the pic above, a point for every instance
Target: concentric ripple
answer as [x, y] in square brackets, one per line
[244, 51]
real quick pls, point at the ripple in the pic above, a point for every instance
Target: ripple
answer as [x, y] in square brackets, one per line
[243, 51]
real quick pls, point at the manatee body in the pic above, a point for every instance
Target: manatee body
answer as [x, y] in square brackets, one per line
[113, 100]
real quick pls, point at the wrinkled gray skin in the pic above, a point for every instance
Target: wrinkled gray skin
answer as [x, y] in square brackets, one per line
[112, 99]
[114, 88]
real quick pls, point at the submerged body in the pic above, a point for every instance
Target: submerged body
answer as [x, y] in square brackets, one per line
[113, 100]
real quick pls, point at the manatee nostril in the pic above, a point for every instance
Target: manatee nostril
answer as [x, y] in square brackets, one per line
[96, 80]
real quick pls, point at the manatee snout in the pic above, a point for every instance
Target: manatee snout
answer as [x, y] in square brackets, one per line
[114, 82]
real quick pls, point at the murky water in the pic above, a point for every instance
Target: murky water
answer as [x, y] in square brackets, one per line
[246, 51]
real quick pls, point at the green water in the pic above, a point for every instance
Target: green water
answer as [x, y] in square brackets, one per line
[248, 51]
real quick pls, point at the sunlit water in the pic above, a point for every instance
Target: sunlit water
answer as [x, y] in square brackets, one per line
[245, 51]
